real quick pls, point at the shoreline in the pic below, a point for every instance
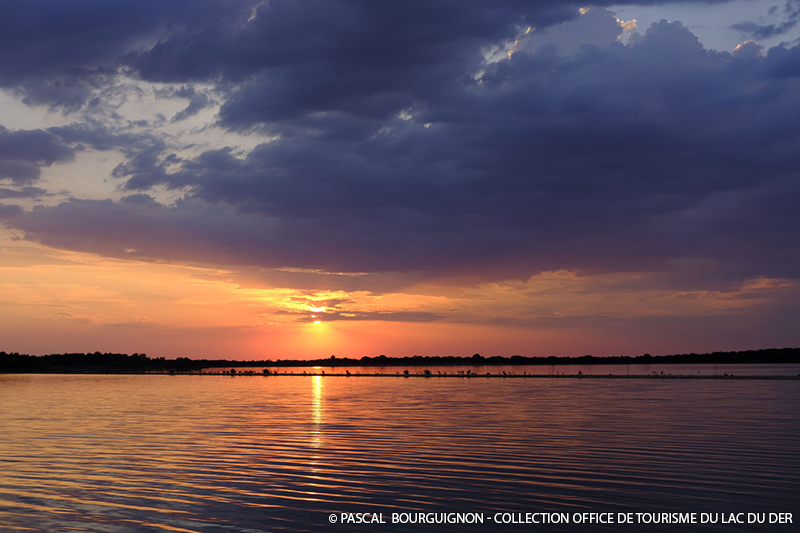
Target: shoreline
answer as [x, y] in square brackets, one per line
[425, 376]
[138, 363]
[508, 376]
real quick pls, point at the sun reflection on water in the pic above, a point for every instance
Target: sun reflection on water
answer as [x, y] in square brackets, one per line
[316, 411]
[128, 453]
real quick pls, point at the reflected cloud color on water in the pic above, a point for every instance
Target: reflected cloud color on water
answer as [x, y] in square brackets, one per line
[213, 453]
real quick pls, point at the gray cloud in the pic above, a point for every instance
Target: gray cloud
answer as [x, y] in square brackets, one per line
[593, 156]
[24, 152]
[58, 52]
[198, 100]
[791, 12]
[25, 192]
[9, 212]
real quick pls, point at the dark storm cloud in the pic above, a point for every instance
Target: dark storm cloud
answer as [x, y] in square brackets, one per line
[142, 150]
[596, 157]
[19, 171]
[784, 62]
[198, 100]
[293, 59]
[37, 146]
[102, 138]
[59, 52]
[352, 34]
[57, 40]
[55, 50]
[69, 93]
[139, 227]
[613, 157]
[791, 12]
[24, 152]
[197, 103]
[366, 58]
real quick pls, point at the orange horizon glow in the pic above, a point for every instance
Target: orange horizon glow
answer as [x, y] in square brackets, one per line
[58, 301]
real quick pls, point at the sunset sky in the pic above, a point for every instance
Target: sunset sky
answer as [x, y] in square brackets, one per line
[256, 179]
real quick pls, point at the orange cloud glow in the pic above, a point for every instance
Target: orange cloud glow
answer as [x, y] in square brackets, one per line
[54, 300]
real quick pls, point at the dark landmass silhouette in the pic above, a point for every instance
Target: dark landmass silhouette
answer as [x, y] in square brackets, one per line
[97, 362]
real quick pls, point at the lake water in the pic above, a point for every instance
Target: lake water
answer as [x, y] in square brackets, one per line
[208, 454]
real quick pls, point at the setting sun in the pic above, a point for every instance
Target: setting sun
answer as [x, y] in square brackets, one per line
[306, 265]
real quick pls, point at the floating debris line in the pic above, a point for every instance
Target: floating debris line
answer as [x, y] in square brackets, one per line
[498, 375]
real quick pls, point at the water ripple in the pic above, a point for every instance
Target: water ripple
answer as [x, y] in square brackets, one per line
[212, 454]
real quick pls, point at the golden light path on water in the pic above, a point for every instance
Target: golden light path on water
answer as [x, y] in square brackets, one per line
[214, 454]
[316, 411]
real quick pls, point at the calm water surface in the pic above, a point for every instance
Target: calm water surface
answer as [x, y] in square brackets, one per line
[207, 454]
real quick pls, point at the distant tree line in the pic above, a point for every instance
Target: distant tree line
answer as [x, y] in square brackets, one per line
[123, 363]
[94, 362]
[771, 355]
